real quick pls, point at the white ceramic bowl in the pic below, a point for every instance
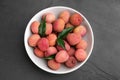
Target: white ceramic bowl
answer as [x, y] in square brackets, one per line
[41, 63]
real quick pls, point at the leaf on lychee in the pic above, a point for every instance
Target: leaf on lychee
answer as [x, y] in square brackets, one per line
[65, 32]
[50, 57]
[61, 43]
[42, 27]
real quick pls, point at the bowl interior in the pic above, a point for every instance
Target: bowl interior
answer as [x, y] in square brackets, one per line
[42, 63]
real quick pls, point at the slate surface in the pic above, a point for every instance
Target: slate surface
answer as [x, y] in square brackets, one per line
[103, 15]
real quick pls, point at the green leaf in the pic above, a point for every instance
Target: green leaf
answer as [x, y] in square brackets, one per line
[65, 32]
[50, 57]
[61, 43]
[42, 27]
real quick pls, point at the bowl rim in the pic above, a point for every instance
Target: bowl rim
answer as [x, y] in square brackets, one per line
[92, 40]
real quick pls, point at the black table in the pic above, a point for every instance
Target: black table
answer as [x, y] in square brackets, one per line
[103, 15]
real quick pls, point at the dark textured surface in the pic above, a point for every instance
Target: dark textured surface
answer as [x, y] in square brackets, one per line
[103, 15]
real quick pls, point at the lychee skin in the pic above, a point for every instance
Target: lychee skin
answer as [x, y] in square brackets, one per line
[65, 15]
[58, 25]
[38, 53]
[50, 51]
[61, 56]
[67, 46]
[71, 62]
[49, 17]
[43, 44]
[35, 26]
[80, 55]
[80, 30]
[76, 19]
[52, 64]
[71, 51]
[73, 38]
[48, 28]
[82, 44]
[52, 39]
[33, 39]
[68, 25]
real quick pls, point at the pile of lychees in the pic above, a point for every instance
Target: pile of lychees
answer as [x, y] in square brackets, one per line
[59, 40]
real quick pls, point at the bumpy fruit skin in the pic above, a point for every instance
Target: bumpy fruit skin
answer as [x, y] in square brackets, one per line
[67, 46]
[61, 56]
[68, 25]
[73, 38]
[58, 25]
[52, 39]
[80, 55]
[76, 19]
[80, 30]
[53, 64]
[65, 15]
[50, 17]
[82, 44]
[71, 62]
[38, 53]
[34, 27]
[71, 51]
[43, 44]
[48, 28]
[33, 39]
[50, 51]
